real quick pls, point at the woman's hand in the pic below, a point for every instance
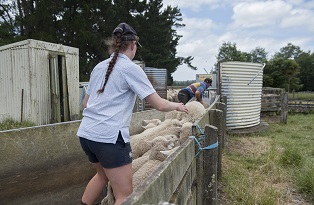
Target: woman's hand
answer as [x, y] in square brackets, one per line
[182, 108]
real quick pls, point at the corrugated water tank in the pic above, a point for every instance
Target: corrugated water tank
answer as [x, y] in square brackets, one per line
[242, 83]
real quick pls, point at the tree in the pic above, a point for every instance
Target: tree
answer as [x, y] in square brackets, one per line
[158, 31]
[85, 24]
[258, 55]
[306, 62]
[289, 51]
[229, 52]
[282, 73]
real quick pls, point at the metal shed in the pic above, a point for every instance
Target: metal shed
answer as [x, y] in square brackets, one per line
[39, 82]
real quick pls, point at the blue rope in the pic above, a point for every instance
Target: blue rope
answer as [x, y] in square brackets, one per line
[212, 146]
[201, 131]
[83, 94]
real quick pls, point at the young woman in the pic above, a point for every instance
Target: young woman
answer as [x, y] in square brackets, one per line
[109, 101]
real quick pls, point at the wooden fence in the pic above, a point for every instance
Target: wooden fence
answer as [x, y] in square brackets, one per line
[275, 100]
[301, 106]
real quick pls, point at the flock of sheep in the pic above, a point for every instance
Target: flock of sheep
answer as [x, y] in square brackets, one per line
[159, 140]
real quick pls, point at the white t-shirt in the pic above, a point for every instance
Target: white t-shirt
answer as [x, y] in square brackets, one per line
[109, 112]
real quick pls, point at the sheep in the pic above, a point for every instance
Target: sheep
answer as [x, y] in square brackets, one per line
[137, 163]
[172, 95]
[196, 110]
[138, 142]
[171, 115]
[140, 175]
[146, 124]
[185, 131]
[168, 141]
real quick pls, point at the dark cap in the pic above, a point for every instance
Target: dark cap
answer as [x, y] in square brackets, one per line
[127, 33]
[208, 80]
[124, 29]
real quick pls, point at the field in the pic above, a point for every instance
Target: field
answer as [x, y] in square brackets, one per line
[275, 167]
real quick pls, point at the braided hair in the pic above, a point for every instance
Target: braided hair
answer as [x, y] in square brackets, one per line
[115, 44]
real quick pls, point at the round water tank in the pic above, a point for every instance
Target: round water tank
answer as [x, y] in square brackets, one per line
[242, 83]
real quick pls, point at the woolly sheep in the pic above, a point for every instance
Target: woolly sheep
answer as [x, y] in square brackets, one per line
[137, 163]
[185, 131]
[146, 124]
[138, 141]
[171, 115]
[196, 110]
[153, 121]
[140, 175]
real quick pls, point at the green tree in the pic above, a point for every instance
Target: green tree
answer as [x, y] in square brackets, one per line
[7, 22]
[289, 51]
[282, 73]
[158, 31]
[306, 62]
[229, 52]
[258, 55]
[86, 24]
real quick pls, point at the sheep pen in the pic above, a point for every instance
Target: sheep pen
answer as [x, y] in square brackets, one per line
[158, 141]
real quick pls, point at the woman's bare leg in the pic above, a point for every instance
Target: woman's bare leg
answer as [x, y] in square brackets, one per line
[121, 182]
[95, 186]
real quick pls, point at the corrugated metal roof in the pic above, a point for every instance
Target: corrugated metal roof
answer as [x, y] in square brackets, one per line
[242, 83]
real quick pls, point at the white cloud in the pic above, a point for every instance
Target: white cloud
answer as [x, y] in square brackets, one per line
[257, 14]
[299, 18]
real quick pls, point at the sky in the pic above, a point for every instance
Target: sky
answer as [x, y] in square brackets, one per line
[269, 24]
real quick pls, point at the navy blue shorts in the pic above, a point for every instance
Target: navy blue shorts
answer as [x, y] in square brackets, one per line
[109, 155]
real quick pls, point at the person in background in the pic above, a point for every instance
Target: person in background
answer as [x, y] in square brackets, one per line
[194, 90]
[110, 97]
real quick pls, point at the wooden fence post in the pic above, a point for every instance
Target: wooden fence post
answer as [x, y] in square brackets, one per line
[284, 108]
[223, 99]
[216, 119]
[222, 106]
[210, 166]
[199, 170]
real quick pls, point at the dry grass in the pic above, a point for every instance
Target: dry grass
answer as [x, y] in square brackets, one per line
[253, 172]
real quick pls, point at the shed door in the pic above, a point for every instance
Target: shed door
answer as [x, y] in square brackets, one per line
[59, 89]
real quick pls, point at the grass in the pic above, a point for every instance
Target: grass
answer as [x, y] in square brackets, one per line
[9, 124]
[274, 167]
[301, 96]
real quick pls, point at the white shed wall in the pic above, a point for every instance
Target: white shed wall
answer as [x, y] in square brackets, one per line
[25, 65]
